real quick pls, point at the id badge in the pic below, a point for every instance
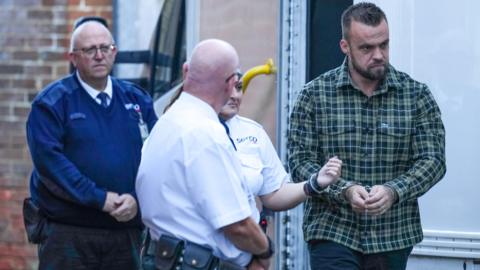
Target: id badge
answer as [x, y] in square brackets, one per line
[143, 130]
[142, 126]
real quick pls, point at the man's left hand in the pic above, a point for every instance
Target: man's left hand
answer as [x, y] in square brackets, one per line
[126, 208]
[380, 200]
[330, 172]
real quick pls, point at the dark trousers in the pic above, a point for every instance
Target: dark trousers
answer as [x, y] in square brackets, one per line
[79, 248]
[328, 255]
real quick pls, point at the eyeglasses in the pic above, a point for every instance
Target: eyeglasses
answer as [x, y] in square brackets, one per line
[92, 51]
[238, 84]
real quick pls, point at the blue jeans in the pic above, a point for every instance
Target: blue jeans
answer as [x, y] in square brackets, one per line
[79, 248]
[328, 255]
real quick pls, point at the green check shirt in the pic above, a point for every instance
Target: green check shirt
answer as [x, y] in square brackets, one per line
[395, 138]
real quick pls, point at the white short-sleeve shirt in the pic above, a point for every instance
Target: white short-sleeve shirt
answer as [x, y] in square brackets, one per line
[260, 163]
[190, 182]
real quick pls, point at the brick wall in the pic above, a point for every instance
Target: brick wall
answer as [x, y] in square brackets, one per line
[34, 39]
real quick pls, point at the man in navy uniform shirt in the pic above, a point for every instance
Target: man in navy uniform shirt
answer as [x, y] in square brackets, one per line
[85, 133]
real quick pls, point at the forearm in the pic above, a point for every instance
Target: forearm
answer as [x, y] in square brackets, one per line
[303, 160]
[428, 148]
[247, 236]
[418, 180]
[287, 196]
[54, 169]
[62, 178]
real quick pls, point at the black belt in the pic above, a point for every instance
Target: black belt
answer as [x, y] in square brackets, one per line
[170, 253]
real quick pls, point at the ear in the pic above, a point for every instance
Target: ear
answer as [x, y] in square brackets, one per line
[72, 58]
[114, 51]
[344, 46]
[184, 70]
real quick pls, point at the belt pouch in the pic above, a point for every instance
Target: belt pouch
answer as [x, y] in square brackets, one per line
[197, 257]
[34, 221]
[147, 252]
[167, 252]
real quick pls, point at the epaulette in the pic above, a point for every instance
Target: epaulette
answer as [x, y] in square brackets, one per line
[53, 92]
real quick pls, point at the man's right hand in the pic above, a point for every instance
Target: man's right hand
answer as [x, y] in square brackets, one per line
[110, 200]
[126, 208]
[356, 196]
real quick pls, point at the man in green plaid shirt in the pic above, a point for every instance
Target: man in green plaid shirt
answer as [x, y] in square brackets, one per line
[387, 130]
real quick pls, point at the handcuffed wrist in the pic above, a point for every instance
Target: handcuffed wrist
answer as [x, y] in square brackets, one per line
[312, 188]
[345, 188]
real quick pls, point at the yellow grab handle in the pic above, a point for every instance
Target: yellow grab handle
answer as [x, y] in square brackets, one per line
[268, 68]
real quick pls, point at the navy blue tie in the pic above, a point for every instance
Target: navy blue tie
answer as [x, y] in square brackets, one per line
[104, 99]
[228, 132]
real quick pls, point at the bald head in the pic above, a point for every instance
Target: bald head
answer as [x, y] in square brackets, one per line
[212, 61]
[90, 28]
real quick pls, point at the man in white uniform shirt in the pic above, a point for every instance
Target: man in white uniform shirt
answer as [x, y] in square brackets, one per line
[190, 185]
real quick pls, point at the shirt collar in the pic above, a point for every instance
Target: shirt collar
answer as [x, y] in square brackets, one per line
[232, 120]
[92, 91]
[200, 106]
[391, 80]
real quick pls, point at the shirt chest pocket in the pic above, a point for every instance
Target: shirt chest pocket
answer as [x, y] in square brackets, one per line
[337, 137]
[78, 129]
[332, 124]
[252, 168]
[395, 136]
[337, 130]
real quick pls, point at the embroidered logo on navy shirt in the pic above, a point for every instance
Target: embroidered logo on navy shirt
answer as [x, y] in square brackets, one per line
[77, 115]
